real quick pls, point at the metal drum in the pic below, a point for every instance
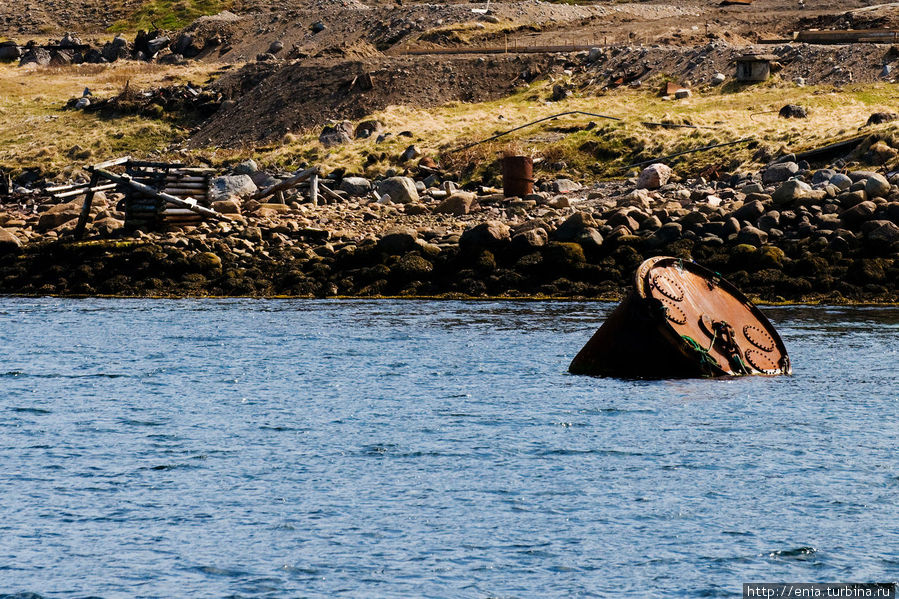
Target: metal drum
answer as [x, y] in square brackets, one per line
[683, 320]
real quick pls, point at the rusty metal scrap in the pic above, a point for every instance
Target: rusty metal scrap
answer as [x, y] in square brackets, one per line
[682, 320]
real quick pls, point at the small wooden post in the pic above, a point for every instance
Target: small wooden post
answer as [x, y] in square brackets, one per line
[313, 189]
[86, 208]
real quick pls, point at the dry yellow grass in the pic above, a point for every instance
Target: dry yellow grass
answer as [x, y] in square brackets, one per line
[611, 145]
[36, 131]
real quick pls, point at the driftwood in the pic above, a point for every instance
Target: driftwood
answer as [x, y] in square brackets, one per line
[328, 192]
[285, 185]
[77, 190]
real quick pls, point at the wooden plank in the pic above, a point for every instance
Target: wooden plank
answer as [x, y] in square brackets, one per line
[284, 185]
[113, 162]
[326, 191]
[83, 190]
[85, 209]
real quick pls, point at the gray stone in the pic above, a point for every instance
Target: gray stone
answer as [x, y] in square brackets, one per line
[752, 236]
[780, 172]
[848, 199]
[565, 186]
[488, 235]
[822, 176]
[793, 111]
[654, 176]
[841, 181]
[790, 192]
[750, 211]
[398, 240]
[753, 188]
[36, 55]
[247, 167]
[590, 239]
[573, 227]
[275, 47]
[529, 240]
[886, 232]
[400, 189]
[355, 186]
[666, 234]
[226, 206]
[719, 78]
[410, 153]
[8, 241]
[335, 134]
[458, 204]
[229, 186]
[877, 186]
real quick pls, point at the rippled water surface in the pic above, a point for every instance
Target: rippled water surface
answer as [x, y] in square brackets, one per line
[245, 448]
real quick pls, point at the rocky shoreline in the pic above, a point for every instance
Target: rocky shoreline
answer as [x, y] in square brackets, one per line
[785, 234]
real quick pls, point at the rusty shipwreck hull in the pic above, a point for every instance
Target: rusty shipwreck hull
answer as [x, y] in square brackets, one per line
[681, 320]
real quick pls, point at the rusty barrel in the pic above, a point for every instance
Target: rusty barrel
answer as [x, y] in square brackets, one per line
[683, 320]
[518, 176]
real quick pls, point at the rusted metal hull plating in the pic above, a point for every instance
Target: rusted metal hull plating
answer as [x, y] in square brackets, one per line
[682, 320]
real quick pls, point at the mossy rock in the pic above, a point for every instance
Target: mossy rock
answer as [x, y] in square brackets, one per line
[769, 256]
[411, 267]
[206, 262]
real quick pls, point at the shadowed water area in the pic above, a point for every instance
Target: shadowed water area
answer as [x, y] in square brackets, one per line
[242, 448]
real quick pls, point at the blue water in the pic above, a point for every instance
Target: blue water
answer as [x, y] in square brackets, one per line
[241, 448]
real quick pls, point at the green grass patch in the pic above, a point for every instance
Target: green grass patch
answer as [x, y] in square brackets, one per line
[169, 14]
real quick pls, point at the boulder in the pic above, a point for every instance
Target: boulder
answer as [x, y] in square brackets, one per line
[790, 192]
[247, 167]
[56, 216]
[275, 47]
[107, 226]
[750, 211]
[38, 56]
[793, 111]
[458, 204]
[780, 172]
[355, 186]
[487, 235]
[574, 226]
[877, 186]
[226, 206]
[565, 186]
[398, 240]
[336, 134]
[665, 234]
[885, 232]
[841, 181]
[752, 236]
[879, 118]
[366, 129]
[8, 241]
[400, 189]
[654, 176]
[410, 153]
[530, 240]
[230, 186]
[10, 51]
